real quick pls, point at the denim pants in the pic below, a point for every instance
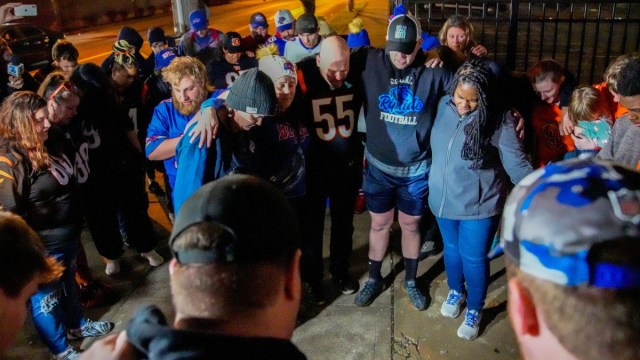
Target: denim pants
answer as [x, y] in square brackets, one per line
[55, 307]
[466, 244]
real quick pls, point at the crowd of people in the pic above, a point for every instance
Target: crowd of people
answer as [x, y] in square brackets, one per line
[446, 140]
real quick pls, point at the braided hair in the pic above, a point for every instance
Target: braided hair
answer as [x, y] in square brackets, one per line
[478, 132]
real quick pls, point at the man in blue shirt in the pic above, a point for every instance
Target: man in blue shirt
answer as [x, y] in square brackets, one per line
[187, 77]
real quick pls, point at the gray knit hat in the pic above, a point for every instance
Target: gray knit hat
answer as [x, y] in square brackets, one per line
[254, 93]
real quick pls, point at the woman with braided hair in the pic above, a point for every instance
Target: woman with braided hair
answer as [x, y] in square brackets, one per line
[475, 147]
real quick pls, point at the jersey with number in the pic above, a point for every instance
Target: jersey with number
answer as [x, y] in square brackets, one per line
[47, 199]
[221, 74]
[279, 42]
[330, 115]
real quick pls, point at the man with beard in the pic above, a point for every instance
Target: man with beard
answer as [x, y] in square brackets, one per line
[251, 99]
[258, 32]
[284, 21]
[187, 77]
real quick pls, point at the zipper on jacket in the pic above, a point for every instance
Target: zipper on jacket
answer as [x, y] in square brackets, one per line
[446, 166]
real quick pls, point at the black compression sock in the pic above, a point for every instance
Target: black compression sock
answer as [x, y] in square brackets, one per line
[410, 269]
[374, 270]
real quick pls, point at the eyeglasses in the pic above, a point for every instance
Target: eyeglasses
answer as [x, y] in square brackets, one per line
[64, 85]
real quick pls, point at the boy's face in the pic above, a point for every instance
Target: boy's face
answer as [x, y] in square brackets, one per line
[67, 66]
[632, 103]
[157, 46]
[13, 312]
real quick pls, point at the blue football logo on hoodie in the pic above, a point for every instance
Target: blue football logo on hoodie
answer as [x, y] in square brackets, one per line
[400, 101]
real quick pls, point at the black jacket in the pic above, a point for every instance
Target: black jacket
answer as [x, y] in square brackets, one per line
[154, 339]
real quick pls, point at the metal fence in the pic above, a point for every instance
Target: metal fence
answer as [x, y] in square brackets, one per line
[584, 36]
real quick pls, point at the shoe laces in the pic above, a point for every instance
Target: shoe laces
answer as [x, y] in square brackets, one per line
[453, 298]
[472, 318]
[370, 288]
[93, 327]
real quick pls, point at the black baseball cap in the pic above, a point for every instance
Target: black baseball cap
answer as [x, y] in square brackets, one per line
[403, 33]
[256, 222]
[306, 24]
[233, 42]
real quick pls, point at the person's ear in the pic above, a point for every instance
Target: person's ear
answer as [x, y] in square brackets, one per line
[173, 265]
[562, 78]
[522, 310]
[318, 60]
[293, 283]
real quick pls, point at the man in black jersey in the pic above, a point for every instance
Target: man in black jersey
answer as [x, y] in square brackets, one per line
[332, 100]
[225, 69]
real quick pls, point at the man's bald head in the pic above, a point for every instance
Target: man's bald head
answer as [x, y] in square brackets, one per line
[333, 60]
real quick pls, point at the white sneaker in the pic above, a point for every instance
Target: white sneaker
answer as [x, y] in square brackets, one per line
[69, 354]
[154, 258]
[471, 325]
[113, 267]
[451, 306]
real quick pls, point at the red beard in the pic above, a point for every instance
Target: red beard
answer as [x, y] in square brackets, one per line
[189, 110]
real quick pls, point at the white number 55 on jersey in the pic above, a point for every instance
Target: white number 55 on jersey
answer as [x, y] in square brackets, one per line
[328, 124]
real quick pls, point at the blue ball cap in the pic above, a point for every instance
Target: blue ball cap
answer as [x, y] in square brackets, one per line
[198, 19]
[555, 217]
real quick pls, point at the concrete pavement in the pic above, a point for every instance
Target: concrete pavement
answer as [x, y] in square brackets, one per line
[388, 329]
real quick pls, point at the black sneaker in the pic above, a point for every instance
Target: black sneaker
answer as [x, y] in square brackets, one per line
[369, 292]
[346, 284]
[155, 189]
[314, 294]
[417, 300]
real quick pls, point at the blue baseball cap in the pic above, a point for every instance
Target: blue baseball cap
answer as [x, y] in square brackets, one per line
[555, 218]
[258, 19]
[198, 20]
[164, 57]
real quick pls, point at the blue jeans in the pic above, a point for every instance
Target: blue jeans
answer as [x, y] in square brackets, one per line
[55, 307]
[466, 244]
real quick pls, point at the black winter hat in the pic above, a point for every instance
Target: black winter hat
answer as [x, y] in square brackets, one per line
[254, 93]
[131, 36]
[155, 35]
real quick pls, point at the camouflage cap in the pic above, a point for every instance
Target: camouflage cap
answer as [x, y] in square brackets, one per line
[555, 216]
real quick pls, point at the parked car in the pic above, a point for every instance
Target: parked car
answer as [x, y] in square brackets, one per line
[32, 43]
